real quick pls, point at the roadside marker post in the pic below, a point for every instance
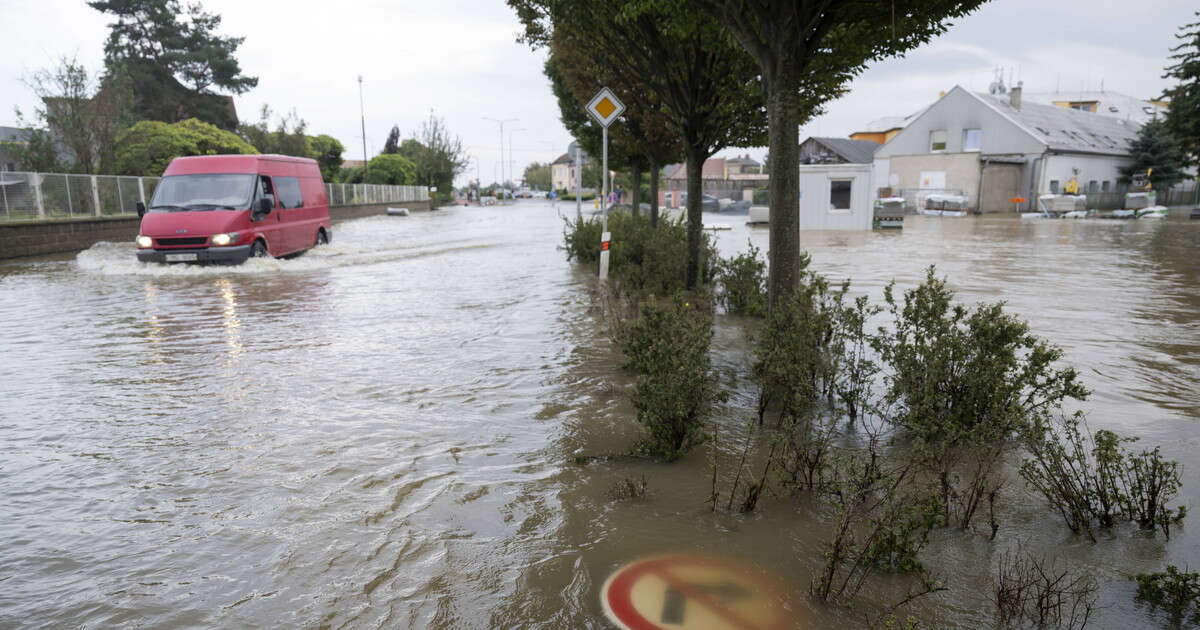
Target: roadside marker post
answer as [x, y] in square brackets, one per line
[605, 107]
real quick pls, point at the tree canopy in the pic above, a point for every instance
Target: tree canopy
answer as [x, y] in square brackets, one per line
[175, 59]
[807, 51]
[1183, 119]
[1155, 147]
[392, 169]
[149, 146]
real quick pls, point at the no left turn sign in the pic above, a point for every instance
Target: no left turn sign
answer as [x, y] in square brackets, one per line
[690, 592]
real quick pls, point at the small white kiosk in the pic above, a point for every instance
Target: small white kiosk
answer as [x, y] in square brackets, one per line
[836, 197]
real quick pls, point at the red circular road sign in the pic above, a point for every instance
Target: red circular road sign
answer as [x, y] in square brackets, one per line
[685, 592]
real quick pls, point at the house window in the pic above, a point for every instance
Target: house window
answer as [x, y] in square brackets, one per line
[1093, 186]
[972, 139]
[839, 194]
[1104, 186]
[1054, 186]
[937, 140]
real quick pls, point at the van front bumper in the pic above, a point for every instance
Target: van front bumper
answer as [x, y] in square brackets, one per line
[234, 255]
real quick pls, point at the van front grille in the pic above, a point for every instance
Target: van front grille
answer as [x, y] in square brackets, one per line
[183, 240]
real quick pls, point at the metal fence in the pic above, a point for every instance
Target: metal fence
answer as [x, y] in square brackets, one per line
[38, 196]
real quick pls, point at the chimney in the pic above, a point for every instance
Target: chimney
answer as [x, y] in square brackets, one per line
[1014, 96]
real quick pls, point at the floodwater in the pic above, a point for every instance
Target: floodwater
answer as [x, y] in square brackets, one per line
[382, 433]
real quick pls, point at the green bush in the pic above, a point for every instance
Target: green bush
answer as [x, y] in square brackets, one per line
[762, 196]
[743, 280]
[643, 260]
[1175, 591]
[667, 345]
[391, 169]
[149, 146]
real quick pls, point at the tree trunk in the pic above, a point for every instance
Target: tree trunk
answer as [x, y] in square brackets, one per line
[635, 195]
[695, 166]
[654, 177]
[783, 117]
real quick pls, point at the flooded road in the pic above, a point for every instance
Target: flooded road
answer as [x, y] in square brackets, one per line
[381, 432]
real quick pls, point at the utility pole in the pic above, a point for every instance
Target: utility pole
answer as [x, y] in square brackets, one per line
[511, 167]
[501, 122]
[363, 117]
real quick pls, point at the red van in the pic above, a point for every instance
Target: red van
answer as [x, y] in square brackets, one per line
[227, 208]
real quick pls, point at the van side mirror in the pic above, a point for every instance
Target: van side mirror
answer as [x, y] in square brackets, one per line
[141, 209]
[265, 206]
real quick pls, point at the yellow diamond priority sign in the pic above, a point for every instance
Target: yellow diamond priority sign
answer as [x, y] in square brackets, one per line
[605, 107]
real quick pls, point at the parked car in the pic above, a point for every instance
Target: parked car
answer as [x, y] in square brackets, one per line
[709, 203]
[227, 208]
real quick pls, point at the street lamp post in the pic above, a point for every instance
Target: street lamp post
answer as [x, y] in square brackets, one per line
[501, 142]
[363, 117]
[512, 171]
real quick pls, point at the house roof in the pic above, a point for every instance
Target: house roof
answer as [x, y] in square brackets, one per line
[1108, 103]
[888, 123]
[714, 168]
[11, 134]
[563, 159]
[743, 161]
[1065, 129]
[853, 151]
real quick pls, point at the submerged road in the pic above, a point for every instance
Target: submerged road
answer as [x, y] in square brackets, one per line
[380, 433]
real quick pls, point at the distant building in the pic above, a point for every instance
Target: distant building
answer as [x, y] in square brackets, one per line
[837, 151]
[1111, 104]
[991, 148]
[882, 130]
[562, 170]
[742, 165]
[9, 138]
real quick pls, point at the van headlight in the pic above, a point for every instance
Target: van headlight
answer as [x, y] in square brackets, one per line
[224, 238]
[145, 242]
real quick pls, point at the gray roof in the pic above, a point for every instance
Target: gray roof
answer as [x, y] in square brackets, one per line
[853, 151]
[1065, 129]
[11, 134]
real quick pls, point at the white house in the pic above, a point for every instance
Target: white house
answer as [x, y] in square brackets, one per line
[992, 148]
[836, 197]
[562, 170]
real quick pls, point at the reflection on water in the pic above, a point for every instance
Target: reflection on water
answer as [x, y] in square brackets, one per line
[382, 432]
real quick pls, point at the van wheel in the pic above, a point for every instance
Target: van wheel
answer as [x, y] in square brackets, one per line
[259, 250]
[322, 237]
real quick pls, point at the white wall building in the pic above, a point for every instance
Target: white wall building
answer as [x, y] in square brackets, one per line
[993, 148]
[836, 197]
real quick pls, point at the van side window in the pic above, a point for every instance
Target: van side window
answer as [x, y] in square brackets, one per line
[289, 192]
[265, 189]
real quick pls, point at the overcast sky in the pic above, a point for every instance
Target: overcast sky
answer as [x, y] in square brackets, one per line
[461, 60]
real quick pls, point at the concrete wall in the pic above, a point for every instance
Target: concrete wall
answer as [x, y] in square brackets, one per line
[961, 172]
[815, 213]
[1099, 168]
[70, 235]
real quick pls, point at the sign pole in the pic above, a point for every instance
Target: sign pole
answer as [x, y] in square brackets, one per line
[605, 107]
[605, 236]
[578, 183]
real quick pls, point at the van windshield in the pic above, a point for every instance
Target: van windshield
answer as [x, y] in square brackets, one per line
[210, 191]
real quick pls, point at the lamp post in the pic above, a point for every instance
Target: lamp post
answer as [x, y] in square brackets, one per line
[501, 122]
[511, 168]
[363, 118]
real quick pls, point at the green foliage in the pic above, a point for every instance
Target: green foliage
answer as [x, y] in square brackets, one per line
[174, 58]
[538, 175]
[643, 260]
[743, 279]
[882, 523]
[962, 383]
[667, 345]
[1177, 592]
[35, 149]
[391, 169]
[437, 157]
[762, 196]
[1155, 148]
[327, 151]
[1183, 118]
[149, 146]
[1094, 488]
[288, 137]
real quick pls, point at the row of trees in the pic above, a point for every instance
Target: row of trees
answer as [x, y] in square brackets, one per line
[701, 76]
[704, 75]
[155, 100]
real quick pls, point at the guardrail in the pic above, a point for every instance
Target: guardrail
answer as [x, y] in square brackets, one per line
[27, 196]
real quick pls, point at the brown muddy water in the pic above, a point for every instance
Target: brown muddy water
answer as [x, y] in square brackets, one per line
[381, 433]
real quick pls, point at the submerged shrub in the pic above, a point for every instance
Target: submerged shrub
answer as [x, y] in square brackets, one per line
[1176, 592]
[743, 280]
[1034, 592]
[643, 260]
[667, 345]
[1094, 488]
[962, 383]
